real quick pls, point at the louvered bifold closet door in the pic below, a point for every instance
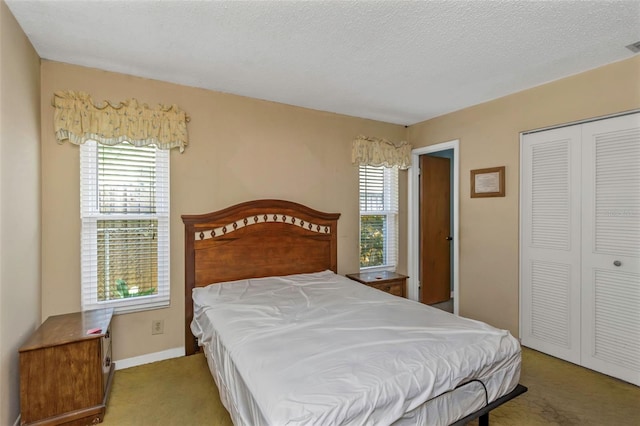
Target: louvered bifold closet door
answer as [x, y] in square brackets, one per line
[611, 247]
[550, 242]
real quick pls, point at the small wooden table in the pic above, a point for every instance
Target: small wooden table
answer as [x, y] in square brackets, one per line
[389, 282]
[66, 370]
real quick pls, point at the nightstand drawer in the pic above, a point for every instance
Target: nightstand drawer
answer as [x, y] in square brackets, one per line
[389, 282]
[394, 287]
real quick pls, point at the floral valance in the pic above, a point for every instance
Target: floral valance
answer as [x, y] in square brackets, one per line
[78, 119]
[368, 151]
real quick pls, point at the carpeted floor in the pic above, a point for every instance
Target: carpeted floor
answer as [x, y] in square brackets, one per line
[181, 391]
[178, 392]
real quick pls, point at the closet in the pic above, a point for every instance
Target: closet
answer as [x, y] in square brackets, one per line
[580, 244]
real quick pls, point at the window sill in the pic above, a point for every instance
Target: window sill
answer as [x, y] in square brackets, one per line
[129, 307]
[391, 268]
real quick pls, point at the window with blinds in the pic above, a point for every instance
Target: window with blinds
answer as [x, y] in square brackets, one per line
[125, 226]
[378, 217]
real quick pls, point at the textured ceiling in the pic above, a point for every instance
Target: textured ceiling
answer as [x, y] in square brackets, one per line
[395, 61]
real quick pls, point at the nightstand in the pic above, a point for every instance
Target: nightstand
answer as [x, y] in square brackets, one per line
[65, 373]
[386, 281]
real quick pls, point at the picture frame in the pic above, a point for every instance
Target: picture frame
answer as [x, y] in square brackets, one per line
[487, 182]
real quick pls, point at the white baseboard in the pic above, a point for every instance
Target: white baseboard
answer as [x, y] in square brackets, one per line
[149, 358]
[17, 422]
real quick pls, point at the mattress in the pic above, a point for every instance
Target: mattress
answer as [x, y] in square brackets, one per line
[320, 349]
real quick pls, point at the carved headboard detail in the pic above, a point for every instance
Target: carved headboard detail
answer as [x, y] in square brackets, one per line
[220, 231]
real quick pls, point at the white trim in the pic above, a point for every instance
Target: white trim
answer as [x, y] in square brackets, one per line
[17, 422]
[390, 197]
[391, 268]
[573, 123]
[414, 219]
[149, 358]
[90, 215]
[520, 235]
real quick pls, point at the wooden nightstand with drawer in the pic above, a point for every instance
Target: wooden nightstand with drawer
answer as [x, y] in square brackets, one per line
[66, 372]
[386, 281]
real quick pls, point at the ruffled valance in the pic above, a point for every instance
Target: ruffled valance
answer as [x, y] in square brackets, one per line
[368, 151]
[77, 119]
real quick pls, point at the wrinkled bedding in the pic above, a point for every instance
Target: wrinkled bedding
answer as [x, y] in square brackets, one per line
[320, 349]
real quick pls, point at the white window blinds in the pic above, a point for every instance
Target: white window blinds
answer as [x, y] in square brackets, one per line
[125, 226]
[378, 217]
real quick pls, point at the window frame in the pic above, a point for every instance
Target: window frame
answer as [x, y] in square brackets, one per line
[390, 196]
[90, 215]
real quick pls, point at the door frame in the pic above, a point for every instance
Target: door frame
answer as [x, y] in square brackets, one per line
[413, 222]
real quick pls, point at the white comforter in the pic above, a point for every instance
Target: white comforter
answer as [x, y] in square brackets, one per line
[320, 349]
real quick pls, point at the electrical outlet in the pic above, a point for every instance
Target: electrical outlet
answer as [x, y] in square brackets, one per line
[157, 326]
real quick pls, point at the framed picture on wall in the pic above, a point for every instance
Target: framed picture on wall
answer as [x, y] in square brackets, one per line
[487, 182]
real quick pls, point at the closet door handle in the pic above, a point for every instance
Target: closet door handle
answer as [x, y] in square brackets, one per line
[617, 263]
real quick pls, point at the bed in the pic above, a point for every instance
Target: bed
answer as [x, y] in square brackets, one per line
[288, 341]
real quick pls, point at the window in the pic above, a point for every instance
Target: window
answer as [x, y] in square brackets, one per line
[124, 193]
[378, 216]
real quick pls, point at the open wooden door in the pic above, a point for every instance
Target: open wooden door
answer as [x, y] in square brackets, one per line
[435, 229]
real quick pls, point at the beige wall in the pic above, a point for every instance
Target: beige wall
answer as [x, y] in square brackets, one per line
[19, 204]
[240, 149]
[489, 136]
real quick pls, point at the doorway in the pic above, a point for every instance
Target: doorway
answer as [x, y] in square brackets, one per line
[433, 256]
[435, 229]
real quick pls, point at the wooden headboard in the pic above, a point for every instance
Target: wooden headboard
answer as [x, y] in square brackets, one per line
[252, 240]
